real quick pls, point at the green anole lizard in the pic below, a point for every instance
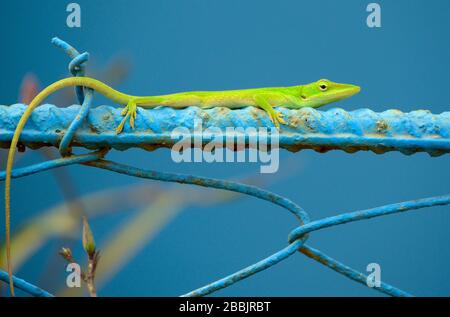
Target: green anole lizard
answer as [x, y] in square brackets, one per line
[314, 95]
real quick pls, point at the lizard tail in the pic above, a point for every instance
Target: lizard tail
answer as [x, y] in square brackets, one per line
[67, 82]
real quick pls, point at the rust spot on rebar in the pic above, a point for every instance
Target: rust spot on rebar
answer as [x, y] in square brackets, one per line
[106, 117]
[382, 126]
[93, 129]
[223, 110]
[204, 115]
[294, 121]
[306, 122]
[308, 119]
[254, 113]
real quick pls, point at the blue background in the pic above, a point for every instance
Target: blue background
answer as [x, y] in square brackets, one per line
[215, 45]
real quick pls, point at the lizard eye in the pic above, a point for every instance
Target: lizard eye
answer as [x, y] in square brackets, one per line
[323, 86]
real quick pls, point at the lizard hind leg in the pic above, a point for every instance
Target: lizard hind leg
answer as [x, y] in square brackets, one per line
[275, 116]
[130, 112]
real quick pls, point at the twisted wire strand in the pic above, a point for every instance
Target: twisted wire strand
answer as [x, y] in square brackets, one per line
[76, 67]
[64, 148]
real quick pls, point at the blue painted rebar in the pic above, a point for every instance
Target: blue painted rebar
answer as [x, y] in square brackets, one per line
[417, 131]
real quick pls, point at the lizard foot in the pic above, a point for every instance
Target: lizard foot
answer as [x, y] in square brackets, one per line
[129, 111]
[277, 117]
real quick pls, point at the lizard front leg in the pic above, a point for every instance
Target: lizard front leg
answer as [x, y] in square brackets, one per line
[274, 115]
[129, 111]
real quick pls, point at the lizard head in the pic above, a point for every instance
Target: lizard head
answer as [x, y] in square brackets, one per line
[323, 92]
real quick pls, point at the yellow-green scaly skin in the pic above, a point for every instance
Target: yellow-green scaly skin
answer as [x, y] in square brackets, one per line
[293, 97]
[314, 95]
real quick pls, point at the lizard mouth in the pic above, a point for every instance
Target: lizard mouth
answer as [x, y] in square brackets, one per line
[348, 92]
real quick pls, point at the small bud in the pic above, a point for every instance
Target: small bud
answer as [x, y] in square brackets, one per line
[66, 253]
[88, 238]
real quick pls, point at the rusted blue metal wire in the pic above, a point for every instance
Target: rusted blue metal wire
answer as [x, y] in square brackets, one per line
[64, 148]
[368, 214]
[77, 68]
[392, 130]
[76, 65]
[296, 238]
[25, 286]
[48, 165]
